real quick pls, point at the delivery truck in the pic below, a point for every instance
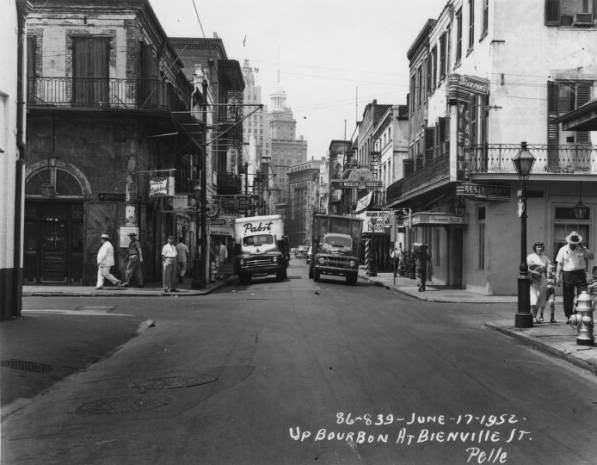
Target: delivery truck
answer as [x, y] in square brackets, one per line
[335, 241]
[260, 247]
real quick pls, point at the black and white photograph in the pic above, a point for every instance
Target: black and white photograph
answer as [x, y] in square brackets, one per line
[279, 232]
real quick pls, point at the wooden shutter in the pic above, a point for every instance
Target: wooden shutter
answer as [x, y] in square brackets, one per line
[31, 70]
[583, 95]
[90, 70]
[429, 142]
[552, 12]
[594, 10]
[553, 129]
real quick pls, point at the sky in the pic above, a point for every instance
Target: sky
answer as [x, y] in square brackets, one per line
[332, 56]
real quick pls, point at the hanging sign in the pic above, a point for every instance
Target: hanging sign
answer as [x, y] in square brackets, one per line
[377, 222]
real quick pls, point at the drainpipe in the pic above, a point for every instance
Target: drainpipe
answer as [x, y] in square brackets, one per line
[22, 8]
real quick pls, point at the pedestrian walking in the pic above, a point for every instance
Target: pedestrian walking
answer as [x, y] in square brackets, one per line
[169, 265]
[422, 262]
[221, 257]
[538, 264]
[134, 264]
[182, 258]
[105, 261]
[395, 254]
[572, 260]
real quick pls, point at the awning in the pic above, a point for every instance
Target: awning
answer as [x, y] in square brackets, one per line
[584, 118]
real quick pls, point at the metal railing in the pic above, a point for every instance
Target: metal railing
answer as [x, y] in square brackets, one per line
[437, 169]
[133, 94]
[569, 158]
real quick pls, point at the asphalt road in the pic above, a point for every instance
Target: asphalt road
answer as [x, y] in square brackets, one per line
[301, 372]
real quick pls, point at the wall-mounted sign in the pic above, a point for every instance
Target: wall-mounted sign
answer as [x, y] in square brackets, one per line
[161, 187]
[434, 218]
[111, 197]
[377, 222]
[483, 191]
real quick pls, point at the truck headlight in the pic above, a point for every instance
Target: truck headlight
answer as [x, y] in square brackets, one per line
[352, 263]
[321, 260]
[274, 259]
[243, 262]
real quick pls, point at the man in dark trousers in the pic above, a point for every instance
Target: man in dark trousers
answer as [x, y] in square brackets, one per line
[572, 261]
[134, 264]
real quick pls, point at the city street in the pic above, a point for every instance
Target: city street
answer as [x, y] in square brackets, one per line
[301, 372]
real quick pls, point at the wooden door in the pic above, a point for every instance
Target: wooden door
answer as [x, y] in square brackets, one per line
[90, 70]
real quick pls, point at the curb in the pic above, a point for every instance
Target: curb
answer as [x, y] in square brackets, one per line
[547, 349]
[124, 293]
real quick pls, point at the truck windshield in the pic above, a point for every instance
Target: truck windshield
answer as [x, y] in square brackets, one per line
[259, 239]
[337, 241]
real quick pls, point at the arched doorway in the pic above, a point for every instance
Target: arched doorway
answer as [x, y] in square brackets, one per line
[54, 225]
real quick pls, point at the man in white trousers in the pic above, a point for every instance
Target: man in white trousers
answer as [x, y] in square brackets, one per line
[105, 261]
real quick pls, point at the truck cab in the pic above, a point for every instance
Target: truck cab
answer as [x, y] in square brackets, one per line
[335, 247]
[261, 248]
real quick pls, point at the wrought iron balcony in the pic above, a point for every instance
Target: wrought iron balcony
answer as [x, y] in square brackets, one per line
[557, 159]
[229, 184]
[127, 94]
[431, 171]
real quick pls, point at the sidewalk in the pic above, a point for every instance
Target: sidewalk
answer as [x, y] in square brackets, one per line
[150, 289]
[557, 339]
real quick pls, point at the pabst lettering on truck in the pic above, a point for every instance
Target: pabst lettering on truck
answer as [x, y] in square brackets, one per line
[249, 228]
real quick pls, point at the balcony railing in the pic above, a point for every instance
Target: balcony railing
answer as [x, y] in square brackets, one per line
[570, 158]
[437, 169]
[132, 94]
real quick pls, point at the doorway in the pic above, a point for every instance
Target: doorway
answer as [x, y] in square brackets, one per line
[455, 244]
[53, 245]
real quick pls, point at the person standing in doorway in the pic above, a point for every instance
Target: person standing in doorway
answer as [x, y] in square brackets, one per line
[221, 257]
[182, 258]
[169, 265]
[538, 265]
[105, 261]
[572, 261]
[134, 264]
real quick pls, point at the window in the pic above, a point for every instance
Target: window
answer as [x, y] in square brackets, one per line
[485, 18]
[419, 86]
[458, 35]
[471, 24]
[481, 243]
[577, 13]
[442, 57]
[562, 97]
[434, 65]
[429, 77]
[90, 70]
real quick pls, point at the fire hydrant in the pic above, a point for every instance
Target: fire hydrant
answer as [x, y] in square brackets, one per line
[212, 272]
[582, 320]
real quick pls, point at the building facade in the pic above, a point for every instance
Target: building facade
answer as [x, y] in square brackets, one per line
[286, 149]
[304, 199]
[471, 104]
[12, 154]
[107, 153]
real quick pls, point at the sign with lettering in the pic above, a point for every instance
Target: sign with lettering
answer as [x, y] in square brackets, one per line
[483, 191]
[158, 187]
[377, 222]
[434, 218]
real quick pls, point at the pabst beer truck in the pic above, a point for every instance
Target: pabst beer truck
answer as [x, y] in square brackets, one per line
[260, 247]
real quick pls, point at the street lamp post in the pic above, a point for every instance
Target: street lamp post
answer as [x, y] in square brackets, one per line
[523, 162]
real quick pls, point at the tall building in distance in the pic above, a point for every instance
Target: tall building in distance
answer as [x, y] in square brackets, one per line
[255, 131]
[286, 150]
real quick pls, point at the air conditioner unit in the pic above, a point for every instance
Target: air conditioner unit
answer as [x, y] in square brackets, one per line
[583, 19]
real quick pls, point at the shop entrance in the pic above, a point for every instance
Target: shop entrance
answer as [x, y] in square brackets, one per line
[53, 242]
[455, 243]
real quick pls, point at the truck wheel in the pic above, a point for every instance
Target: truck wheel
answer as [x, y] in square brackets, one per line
[244, 278]
[351, 278]
[316, 275]
[311, 272]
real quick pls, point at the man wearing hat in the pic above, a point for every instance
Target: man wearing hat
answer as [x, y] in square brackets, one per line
[572, 260]
[169, 265]
[134, 262]
[105, 261]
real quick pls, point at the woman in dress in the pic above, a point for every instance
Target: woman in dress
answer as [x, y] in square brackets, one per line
[538, 264]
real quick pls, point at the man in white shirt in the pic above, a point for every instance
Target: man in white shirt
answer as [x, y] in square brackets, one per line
[105, 261]
[572, 261]
[169, 265]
